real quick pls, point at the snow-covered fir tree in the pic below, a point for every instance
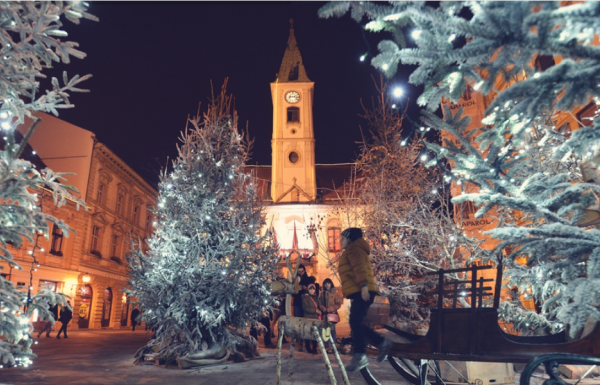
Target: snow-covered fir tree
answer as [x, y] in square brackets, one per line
[206, 275]
[519, 162]
[406, 214]
[31, 38]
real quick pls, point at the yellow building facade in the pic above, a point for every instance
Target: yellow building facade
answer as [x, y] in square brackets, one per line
[90, 264]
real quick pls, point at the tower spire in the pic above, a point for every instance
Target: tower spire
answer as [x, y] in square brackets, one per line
[292, 69]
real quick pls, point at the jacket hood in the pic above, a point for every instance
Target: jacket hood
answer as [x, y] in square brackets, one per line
[360, 243]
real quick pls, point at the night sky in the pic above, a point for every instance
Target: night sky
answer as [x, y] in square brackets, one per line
[152, 63]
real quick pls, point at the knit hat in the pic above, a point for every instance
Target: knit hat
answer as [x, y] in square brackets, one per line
[352, 233]
[312, 285]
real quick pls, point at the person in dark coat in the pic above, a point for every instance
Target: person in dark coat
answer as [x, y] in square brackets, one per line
[265, 320]
[310, 303]
[134, 315]
[66, 315]
[305, 280]
[48, 326]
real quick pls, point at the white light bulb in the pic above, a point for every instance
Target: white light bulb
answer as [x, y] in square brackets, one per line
[451, 38]
[385, 67]
[416, 33]
[398, 92]
[423, 158]
[5, 125]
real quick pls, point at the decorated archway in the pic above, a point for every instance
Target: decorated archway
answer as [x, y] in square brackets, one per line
[85, 307]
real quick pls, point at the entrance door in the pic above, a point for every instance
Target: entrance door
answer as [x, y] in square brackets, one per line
[105, 321]
[85, 307]
[125, 312]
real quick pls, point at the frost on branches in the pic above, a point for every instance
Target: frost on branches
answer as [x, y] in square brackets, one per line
[206, 275]
[31, 38]
[522, 165]
[406, 215]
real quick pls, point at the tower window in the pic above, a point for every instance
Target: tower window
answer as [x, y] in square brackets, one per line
[293, 114]
[294, 157]
[294, 72]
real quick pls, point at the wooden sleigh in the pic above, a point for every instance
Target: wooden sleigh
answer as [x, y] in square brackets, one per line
[471, 334]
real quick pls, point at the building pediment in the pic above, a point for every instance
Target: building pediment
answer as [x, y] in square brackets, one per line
[99, 218]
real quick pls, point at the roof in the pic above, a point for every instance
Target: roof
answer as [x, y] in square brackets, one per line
[330, 180]
[292, 69]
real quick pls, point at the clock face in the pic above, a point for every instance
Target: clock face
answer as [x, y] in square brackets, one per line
[292, 97]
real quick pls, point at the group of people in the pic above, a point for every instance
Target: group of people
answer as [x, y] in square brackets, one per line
[358, 285]
[66, 315]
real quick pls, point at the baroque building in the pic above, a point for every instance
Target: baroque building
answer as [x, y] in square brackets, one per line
[300, 195]
[90, 264]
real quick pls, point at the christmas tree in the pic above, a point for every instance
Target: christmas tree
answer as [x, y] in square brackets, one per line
[517, 164]
[30, 39]
[207, 273]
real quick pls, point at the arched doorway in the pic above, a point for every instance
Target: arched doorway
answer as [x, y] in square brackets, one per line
[106, 308]
[85, 307]
[125, 310]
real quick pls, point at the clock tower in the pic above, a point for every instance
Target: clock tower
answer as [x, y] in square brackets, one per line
[293, 144]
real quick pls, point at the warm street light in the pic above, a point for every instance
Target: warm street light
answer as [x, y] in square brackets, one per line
[86, 278]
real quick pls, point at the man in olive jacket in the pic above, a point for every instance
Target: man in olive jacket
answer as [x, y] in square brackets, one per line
[358, 284]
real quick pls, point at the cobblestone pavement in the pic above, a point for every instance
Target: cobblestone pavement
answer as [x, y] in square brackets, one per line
[105, 357]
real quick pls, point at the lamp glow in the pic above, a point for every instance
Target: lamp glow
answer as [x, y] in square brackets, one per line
[398, 92]
[86, 278]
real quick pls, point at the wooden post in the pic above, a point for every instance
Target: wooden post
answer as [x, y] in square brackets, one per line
[325, 356]
[498, 286]
[339, 360]
[291, 359]
[472, 321]
[279, 343]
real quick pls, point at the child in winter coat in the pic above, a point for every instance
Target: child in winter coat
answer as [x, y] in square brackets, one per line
[329, 303]
[310, 305]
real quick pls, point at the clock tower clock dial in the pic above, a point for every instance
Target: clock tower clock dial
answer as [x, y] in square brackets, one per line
[292, 97]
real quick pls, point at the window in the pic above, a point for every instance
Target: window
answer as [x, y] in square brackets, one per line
[464, 210]
[119, 207]
[136, 214]
[94, 247]
[294, 157]
[114, 247]
[334, 236]
[101, 190]
[587, 115]
[57, 239]
[293, 114]
[543, 62]
[148, 222]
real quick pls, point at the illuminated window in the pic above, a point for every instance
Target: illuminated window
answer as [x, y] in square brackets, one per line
[293, 114]
[57, 239]
[334, 237]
